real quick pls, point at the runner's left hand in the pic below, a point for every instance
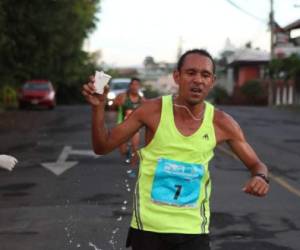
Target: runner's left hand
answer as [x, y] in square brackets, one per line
[256, 186]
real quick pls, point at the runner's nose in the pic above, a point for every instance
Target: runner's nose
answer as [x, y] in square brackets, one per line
[198, 79]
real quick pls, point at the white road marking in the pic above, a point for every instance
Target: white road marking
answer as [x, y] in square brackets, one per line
[62, 165]
[84, 152]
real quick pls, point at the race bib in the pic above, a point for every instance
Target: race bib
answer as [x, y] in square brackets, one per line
[177, 183]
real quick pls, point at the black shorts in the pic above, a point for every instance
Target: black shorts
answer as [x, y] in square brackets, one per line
[145, 240]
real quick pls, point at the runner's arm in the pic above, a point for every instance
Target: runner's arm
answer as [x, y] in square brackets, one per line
[104, 141]
[235, 138]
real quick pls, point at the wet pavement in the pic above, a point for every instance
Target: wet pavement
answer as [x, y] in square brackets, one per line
[88, 206]
[240, 221]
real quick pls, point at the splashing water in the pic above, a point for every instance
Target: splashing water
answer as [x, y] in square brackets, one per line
[94, 246]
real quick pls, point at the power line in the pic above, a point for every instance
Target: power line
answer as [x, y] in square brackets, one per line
[246, 12]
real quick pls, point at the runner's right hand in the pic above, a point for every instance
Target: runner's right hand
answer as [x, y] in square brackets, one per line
[88, 91]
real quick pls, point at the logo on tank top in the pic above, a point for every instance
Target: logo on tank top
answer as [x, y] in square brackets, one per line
[205, 137]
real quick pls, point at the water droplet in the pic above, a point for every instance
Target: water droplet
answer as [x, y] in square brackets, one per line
[94, 246]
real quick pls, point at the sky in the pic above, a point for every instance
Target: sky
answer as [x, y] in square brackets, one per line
[130, 30]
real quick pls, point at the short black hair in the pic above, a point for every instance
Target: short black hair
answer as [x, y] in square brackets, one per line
[201, 52]
[134, 79]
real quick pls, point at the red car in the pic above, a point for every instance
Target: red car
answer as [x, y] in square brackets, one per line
[37, 93]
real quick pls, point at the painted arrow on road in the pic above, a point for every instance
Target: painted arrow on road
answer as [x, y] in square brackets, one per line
[61, 165]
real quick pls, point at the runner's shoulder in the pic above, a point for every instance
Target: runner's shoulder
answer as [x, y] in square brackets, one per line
[225, 122]
[151, 106]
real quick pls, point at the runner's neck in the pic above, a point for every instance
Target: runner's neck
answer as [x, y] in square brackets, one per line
[196, 112]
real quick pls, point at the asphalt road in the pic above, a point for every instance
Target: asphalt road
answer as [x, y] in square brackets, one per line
[60, 196]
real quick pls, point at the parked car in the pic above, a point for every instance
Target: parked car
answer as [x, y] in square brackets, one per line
[116, 87]
[39, 93]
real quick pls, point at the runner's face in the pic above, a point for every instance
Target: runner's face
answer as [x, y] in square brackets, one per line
[195, 78]
[134, 87]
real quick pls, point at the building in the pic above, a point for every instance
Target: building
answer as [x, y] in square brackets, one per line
[287, 42]
[243, 65]
[158, 75]
[247, 64]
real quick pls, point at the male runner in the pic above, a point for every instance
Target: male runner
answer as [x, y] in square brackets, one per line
[171, 198]
[126, 103]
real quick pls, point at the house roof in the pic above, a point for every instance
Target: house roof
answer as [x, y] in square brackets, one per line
[248, 55]
[293, 25]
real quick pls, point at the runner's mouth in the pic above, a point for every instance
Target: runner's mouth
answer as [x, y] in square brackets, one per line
[196, 90]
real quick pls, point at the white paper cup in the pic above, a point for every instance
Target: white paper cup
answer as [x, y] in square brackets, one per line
[101, 79]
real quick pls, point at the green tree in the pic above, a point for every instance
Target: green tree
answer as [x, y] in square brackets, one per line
[253, 91]
[44, 39]
[286, 69]
[219, 95]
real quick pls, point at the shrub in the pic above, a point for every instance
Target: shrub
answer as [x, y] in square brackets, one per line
[253, 90]
[8, 97]
[219, 95]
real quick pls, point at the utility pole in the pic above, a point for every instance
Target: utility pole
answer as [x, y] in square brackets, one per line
[179, 49]
[271, 24]
[272, 28]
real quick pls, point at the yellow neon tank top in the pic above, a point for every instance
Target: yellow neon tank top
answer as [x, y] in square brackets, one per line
[173, 187]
